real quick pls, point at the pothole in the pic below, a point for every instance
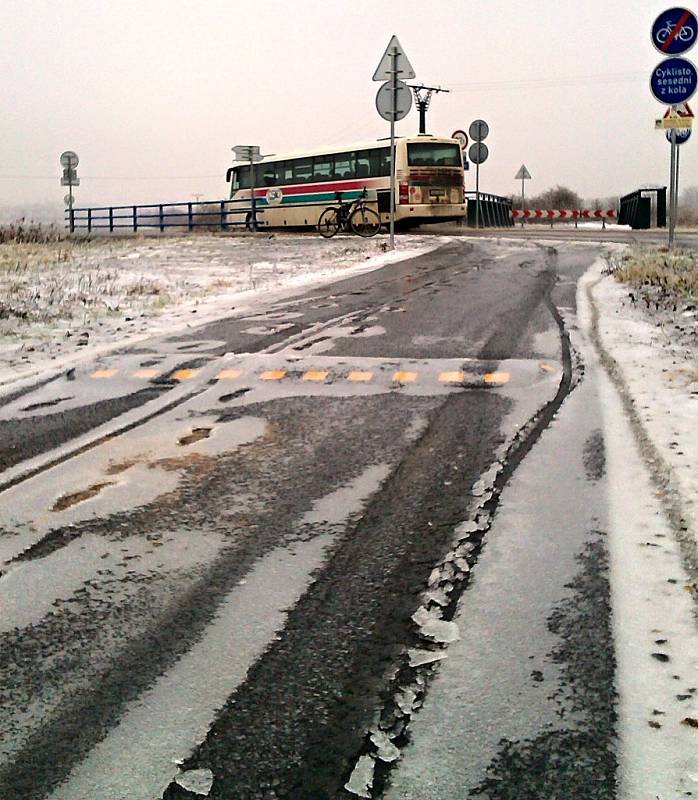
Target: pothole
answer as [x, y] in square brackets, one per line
[226, 398]
[68, 500]
[196, 435]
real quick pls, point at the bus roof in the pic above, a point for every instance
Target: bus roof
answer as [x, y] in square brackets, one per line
[341, 148]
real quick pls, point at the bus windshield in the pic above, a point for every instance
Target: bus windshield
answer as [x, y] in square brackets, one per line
[433, 154]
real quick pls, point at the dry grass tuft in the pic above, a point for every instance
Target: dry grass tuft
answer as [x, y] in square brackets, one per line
[661, 275]
[22, 232]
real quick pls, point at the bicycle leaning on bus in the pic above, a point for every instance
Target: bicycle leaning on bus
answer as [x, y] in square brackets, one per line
[355, 216]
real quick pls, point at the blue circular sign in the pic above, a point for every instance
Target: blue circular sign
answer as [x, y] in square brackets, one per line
[675, 31]
[674, 80]
[682, 135]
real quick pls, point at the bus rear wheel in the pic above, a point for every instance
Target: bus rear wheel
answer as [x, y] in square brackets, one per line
[365, 222]
[328, 224]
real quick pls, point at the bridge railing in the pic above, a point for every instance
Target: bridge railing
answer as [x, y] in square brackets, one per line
[209, 214]
[494, 210]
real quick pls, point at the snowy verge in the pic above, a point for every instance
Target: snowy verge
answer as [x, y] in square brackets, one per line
[657, 372]
[77, 303]
[650, 448]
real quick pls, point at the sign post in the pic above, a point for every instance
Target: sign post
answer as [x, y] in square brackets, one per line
[69, 162]
[522, 175]
[674, 81]
[251, 153]
[478, 130]
[393, 65]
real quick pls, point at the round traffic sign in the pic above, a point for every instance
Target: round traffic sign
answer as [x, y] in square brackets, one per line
[675, 31]
[462, 138]
[479, 130]
[69, 159]
[674, 80]
[478, 152]
[403, 100]
[682, 135]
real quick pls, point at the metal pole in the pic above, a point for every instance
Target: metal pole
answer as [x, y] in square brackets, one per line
[253, 215]
[422, 106]
[523, 202]
[393, 112]
[672, 176]
[676, 183]
[477, 195]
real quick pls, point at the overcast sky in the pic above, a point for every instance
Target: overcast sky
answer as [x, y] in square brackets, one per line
[153, 94]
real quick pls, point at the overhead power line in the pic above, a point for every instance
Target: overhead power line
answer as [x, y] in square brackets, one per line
[113, 177]
[551, 82]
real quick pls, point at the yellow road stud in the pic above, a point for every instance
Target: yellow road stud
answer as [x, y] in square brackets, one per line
[404, 377]
[273, 375]
[452, 377]
[497, 377]
[358, 375]
[315, 375]
[185, 374]
[104, 373]
[146, 372]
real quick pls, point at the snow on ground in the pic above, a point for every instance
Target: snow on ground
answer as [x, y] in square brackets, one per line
[646, 363]
[656, 354]
[67, 301]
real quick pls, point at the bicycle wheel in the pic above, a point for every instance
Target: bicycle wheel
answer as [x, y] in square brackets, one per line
[328, 224]
[365, 222]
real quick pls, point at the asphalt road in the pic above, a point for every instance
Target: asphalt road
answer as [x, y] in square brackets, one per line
[233, 560]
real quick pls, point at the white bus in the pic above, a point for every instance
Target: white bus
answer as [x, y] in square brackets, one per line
[292, 190]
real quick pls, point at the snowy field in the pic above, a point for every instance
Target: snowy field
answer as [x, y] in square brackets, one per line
[60, 302]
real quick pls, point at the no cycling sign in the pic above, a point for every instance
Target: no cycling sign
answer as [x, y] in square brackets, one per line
[674, 80]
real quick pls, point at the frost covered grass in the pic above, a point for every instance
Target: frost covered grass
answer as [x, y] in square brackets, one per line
[23, 232]
[59, 294]
[661, 276]
[60, 280]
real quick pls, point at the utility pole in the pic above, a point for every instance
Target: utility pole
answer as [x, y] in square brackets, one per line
[422, 101]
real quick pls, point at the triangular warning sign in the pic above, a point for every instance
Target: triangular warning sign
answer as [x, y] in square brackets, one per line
[679, 111]
[402, 65]
[522, 174]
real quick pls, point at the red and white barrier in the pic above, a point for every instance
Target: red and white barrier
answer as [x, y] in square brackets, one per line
[563, 213]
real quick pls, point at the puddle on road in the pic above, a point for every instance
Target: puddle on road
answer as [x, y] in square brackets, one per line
[68, 500]
[196, 435]
[141, 480]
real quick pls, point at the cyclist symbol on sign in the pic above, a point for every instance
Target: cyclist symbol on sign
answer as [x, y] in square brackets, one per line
[685, 35]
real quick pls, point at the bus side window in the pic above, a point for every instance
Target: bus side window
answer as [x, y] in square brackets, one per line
[374, 163]
[303, 170]
[269, 175]
[283, 173]
[235, 181]
[244, 177]
[363, 165]
[344, 165]
[384, 166]
[323, 168]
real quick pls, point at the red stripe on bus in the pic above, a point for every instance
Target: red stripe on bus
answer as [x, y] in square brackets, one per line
[309, 188]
